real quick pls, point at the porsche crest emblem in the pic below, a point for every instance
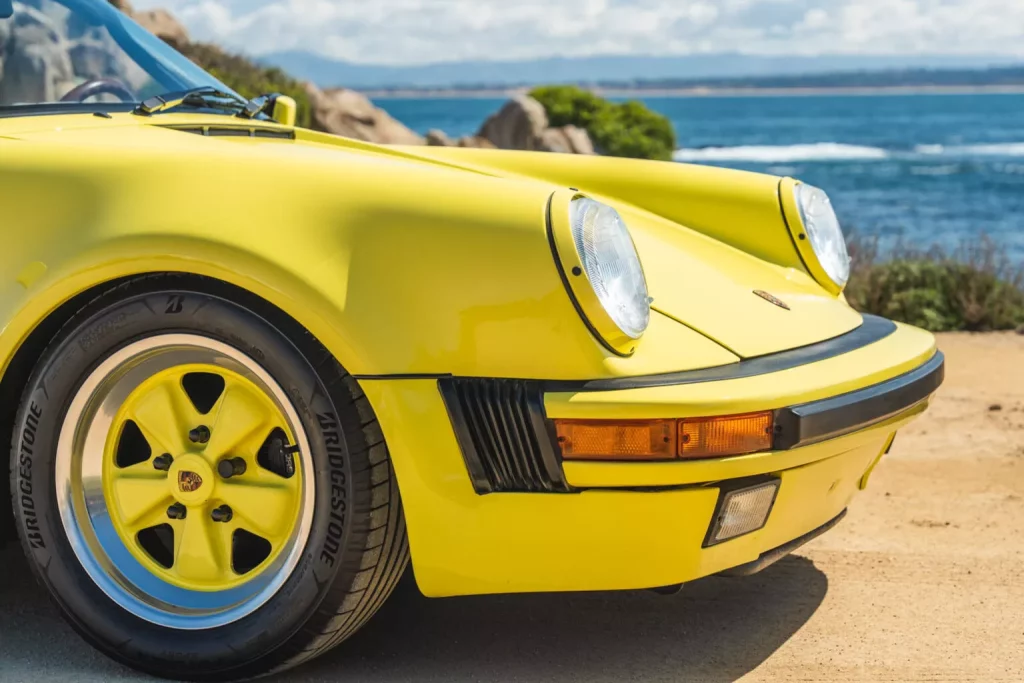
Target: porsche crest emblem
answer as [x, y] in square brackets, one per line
[189, 482]
[772, 299]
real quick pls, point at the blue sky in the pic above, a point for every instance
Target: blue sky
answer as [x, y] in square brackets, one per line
[416, 31]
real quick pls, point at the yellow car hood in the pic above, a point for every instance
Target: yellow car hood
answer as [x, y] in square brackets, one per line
[753, 299]
[750, 307]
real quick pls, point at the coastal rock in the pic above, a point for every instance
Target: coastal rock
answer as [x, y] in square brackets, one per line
[520, 124]
[438, 138]
[346, 112]
[567, 140]
[476, 142]
[96, 59]
[162, 24]
[35, 65]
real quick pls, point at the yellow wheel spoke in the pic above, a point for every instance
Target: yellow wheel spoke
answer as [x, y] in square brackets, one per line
[141, 470]
[237, 415]
[198, 555]
[163, 414]
[267, 510]
[180, 485]
[142, 499]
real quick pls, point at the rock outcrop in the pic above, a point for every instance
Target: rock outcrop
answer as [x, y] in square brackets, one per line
[438, 138]
[35, 60]
[523, 124]
[163, 25]
[350, 113]
[520, 124]
[568, 140]
[159, 22]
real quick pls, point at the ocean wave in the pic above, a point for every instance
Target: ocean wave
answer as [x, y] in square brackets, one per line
[820, 151]
[937, 170]
[1001, 149]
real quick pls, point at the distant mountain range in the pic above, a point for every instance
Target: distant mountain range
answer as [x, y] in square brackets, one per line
[622, 69]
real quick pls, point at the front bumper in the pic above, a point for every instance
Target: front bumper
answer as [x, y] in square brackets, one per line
[607, 525]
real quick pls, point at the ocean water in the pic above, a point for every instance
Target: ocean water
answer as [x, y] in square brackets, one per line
[921, 169]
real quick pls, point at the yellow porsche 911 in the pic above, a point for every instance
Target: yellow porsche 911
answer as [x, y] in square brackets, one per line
[250, 370]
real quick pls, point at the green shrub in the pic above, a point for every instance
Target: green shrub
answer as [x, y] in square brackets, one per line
[248, 78]
[628, 129]
[974, 287]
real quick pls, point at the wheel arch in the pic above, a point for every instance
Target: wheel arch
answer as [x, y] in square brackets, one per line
[19, 364]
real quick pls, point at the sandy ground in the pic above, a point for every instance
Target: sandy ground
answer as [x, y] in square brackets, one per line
[923, 581]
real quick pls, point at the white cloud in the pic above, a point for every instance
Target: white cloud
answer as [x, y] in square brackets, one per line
[417, 31]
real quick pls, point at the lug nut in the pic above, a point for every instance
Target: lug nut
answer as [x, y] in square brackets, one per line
[223, 514]
[163, 462]
[177, 511]
[200, 434]
[231, 467]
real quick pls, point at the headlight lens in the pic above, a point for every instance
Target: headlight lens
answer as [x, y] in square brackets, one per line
[823, 231]
[611, 263]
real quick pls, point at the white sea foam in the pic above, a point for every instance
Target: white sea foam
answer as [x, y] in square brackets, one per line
[820, 151]
[1001, 149]
[837, 151]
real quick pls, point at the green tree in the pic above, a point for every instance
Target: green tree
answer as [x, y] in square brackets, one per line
[627, 129]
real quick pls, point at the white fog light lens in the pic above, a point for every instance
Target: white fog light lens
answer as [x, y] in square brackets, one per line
[743, 511]
[823, 231]
[612, 265]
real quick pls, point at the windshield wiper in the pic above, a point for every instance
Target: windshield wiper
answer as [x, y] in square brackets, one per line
[206, 96]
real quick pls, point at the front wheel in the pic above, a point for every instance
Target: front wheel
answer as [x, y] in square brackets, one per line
[201, 487]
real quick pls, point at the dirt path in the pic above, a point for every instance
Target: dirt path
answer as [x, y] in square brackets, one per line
[924, 580]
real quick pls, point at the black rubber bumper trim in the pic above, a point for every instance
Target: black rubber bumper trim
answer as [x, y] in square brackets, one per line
[774, 555]
[809, 423]
[871, 330]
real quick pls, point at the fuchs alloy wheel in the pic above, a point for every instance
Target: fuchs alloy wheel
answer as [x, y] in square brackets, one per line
[202, 488]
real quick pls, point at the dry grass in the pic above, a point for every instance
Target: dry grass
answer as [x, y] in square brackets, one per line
[972, 287]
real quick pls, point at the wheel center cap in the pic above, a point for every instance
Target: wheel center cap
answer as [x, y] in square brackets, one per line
[191, 480]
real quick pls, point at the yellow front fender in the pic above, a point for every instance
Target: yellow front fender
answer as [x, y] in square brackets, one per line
[394, 266]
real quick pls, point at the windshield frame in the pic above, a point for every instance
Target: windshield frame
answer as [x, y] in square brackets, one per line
[171, 69]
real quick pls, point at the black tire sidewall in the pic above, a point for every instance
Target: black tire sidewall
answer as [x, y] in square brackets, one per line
[261, 640]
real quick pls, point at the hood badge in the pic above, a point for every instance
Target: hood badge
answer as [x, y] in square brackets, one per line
[772, 299]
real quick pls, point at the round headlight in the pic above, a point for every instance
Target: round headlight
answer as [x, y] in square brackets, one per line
[611, 264]
[823, 231]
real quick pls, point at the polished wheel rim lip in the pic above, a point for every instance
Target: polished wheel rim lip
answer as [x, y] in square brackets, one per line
[83, 509]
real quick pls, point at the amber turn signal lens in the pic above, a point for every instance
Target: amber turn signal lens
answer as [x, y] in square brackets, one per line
[706, 437]
[711, 437]
[618, 440]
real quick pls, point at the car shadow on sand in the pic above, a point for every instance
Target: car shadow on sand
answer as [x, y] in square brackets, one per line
[716, 629]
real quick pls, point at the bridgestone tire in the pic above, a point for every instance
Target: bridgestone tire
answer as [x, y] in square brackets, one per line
[356, 549]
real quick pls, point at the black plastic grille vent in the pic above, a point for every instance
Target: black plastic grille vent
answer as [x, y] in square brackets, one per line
[505, 437]
[235, 132]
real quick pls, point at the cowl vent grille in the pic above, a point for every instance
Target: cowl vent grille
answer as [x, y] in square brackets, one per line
[506, 439]
[235, 132]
